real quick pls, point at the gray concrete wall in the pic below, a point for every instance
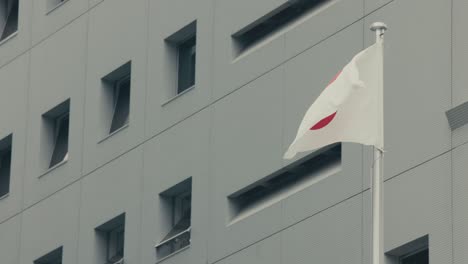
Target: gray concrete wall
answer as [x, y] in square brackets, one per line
[230, 131]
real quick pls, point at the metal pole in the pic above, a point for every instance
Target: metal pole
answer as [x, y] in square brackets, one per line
[377, 175]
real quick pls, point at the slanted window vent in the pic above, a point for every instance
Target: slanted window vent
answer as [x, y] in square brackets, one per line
[178, 202]
[8, 18]
[116, 99]
[56, 124]
[295, 177]
[273, 22]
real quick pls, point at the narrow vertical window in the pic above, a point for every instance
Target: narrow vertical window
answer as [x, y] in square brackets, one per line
[182, 49]
[54, 257]
[178, 202]
[186, 65]
[111, 240]
[122, 103]
[5, 165]
[61, 140]
[116, 103]
[8, 18]
[56, 128]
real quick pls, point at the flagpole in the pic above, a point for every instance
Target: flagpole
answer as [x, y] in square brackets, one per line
[377, 175]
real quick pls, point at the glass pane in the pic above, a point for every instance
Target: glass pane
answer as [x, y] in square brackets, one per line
[11, 25]
[122, 106]
[186, 64]
[421, 257]
[5, 163]
[61, 141]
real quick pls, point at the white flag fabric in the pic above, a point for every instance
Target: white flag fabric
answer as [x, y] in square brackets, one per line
[350, 108]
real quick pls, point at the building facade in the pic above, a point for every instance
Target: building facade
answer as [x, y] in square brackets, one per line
[150, 131]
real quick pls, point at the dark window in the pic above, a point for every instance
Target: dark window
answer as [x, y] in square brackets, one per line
[272, 22]
[5, 165]
[186, 65]
[56, 128]
[116, 98]
[293, 177]
[54, 257]
[181, 49]
[178, 200]
[111, 240]
[8, 18]
[122, 104]
[421, 257]
[61, 140]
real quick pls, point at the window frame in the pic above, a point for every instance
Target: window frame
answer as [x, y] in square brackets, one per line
[113, 243]
[7, 149]
[178, 236]
[116, 94]
[57, 126]
[180, 45]
[14, 33]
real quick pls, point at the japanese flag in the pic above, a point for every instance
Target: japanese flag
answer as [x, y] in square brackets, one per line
[350, 108]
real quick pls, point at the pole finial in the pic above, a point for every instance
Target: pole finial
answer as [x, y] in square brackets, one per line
[378, 26]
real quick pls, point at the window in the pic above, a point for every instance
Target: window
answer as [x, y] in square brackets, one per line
[186, 62]
[182, 50]
[8, 18]
[56, 128]
[122, 103]
[5, 165]
[178, 202]
[111, 240]
[54, 257]
[295, 177]
[421, 257]
[117, 90]
[276, 20]
[414, 252]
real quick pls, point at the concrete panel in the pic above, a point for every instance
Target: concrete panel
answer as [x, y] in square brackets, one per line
[246, 147]
[170, 158]
[116, 33]
[459, 52]
[267, 251]
[322, 24]
[164, 107]
[460, 199]
[231, 73]
[62, 79]
[55, 219]
[417, 81]
[372, 5]
[48, 17]
[10, 240]
[417, 203]
[18, 44]
[330, 237]
[107, 193]
[460, 64]
[13, 113]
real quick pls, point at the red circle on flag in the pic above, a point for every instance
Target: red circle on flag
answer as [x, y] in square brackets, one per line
[324, 122]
